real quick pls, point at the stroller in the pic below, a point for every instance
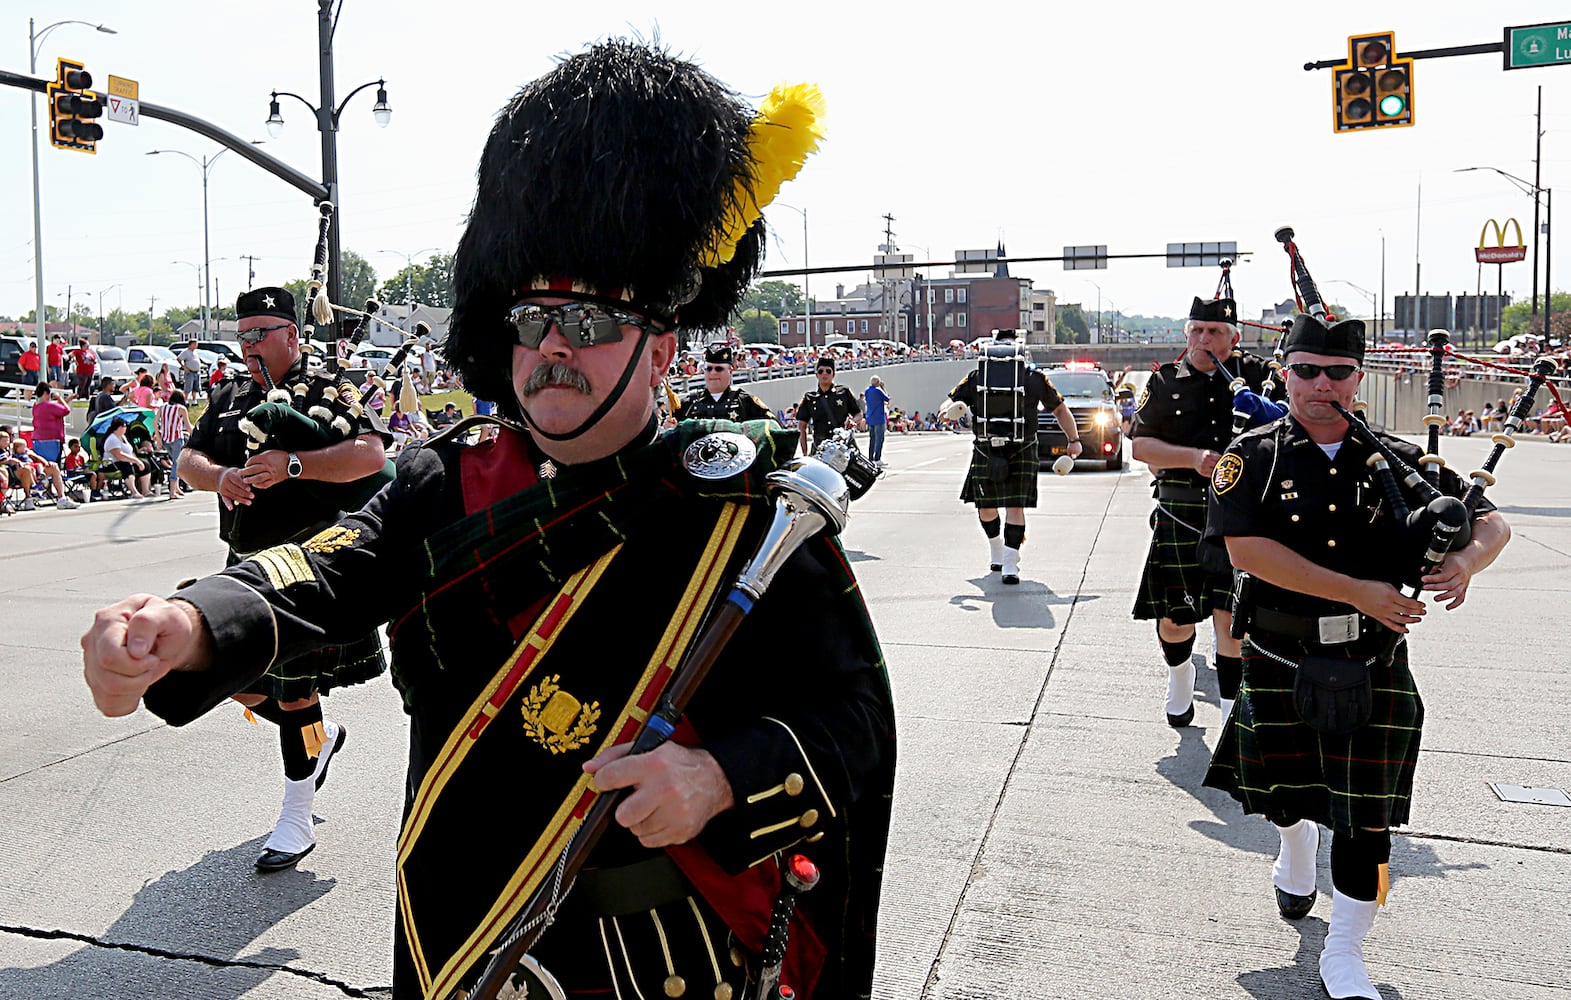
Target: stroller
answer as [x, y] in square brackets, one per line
[139, 432]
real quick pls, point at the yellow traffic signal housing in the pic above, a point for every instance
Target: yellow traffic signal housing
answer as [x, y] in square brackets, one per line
[73, 108]
[1374, 88]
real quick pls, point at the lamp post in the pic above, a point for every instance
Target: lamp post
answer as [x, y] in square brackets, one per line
[807, 296]
[1366, 293]
[327, 118]
[1533, 191]
[205, 165]
[101, 309]
[1098, 339]
[199, 278]
[34, 40]
[409, 280]
[926, 255]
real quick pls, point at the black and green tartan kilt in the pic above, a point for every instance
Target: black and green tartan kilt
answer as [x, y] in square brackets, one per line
[1277, 766]
[320, 670]
[1018, 486]
[1173, 585]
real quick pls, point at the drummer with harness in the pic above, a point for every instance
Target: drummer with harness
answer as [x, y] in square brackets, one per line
[1004, 394]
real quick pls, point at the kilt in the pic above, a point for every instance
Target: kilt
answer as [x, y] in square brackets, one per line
[1019, 486]
[1173, 585]
[1277, 766]
[320, 670]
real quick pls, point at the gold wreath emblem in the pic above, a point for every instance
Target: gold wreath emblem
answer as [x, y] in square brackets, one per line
[1145, 394]
[331, 539]
[1229, 470]
[555, 719]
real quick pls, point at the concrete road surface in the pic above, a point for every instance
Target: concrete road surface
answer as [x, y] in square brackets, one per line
[1050, 839]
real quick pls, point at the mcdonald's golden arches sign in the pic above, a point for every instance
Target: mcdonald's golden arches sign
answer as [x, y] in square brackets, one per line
[1501, 252]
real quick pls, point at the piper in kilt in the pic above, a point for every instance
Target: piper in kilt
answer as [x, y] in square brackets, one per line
[1297, 507]
[277, 495]
[1003, 395]
[542, 584]
[1183, 422]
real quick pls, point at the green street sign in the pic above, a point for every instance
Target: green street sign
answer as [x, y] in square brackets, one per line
[1532, 45]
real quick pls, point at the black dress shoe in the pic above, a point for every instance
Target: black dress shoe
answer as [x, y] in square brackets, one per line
[332, 751]
[277, 861]
[1011, 579]
[1294, 907]
[1180, 721]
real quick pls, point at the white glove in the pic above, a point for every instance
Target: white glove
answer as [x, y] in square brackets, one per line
[954, 411]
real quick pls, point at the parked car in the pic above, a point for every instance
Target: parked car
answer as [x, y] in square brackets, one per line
[150, 356]
[376, 358]
[224, 348]
[1090, 398]
[112, 362]
[11, 350]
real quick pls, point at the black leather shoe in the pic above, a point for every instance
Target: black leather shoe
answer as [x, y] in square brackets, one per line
[277, 861]
[1180, 721]
[1010, 579]
[1294, 907]
[332, 751]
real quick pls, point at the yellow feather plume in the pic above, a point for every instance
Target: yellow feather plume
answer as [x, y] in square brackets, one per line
[784, 134]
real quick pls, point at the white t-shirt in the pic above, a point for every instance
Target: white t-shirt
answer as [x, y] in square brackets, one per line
[118, 449]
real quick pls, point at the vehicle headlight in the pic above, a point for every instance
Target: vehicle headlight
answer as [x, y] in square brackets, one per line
[1100, 418]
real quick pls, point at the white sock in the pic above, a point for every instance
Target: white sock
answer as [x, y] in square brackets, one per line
[331, 729]
[1226, 705]
[1180, 687]
[1342, 959]
[293, 833]
[995, 547]
[1011, 561]
[1294, 871]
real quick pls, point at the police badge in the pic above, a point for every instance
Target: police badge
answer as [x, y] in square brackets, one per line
[720, 455]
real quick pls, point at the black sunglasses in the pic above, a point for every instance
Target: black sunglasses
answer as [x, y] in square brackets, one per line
[257, 334]
[718, 368]
[585, 324]
[1335, 373]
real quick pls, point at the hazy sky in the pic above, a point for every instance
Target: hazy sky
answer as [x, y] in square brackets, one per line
[1042, 124]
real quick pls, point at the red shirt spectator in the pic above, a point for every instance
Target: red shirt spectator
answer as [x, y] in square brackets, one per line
[55, 354]
[86, 360]
[30, 363]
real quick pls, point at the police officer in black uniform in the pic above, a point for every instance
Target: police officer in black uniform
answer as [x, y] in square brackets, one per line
[1004, 394]
[1299, 509]
[265, 499]
[1183, 422]
[717, 400]
[827, 408]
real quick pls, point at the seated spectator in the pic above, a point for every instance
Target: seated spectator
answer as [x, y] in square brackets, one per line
[119, 453]
[141, 394]
[75, 467]
[30, 468]
[220, 372]
[104, 401]
[450, 415]
[157, 463]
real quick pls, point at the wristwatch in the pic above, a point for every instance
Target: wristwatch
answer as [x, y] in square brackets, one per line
[295, 468]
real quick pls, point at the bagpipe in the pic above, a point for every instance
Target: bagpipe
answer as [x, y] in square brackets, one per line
[288, 421]
[839, 452]
[811, 497]
[1439, 523]
[1250, 408]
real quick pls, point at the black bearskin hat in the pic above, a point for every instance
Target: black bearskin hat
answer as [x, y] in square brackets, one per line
[614, 176]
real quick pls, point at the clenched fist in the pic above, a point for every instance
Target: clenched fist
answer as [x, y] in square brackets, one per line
[132, 644]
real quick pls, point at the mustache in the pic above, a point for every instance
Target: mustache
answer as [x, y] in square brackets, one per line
[555, 373]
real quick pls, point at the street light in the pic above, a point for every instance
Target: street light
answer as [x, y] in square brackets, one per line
[1098, 311]
[101, 310]
[199, 274]
[327, 118]
[1532, 190]
[34, 40]
[409, 279]
[927, 278]
[205, 165]
[806, 295]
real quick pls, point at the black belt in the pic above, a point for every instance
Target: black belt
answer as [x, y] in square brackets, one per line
[635, 888]
[1306, 627]
[1174, 491]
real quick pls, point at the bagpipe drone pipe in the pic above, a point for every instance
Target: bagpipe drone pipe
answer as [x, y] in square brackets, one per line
[1250, 408]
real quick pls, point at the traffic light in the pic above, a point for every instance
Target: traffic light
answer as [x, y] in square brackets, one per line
[1374, 88]
[72, 108]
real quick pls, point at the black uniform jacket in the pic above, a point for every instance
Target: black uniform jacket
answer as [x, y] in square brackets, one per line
[288, 508]
[826, 412]
[782, 703]
[1195, 409]
[1274, 482]
[1039, 392]
[733, 404]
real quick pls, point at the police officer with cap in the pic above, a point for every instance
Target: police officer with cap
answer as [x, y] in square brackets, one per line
[1297, 507]
[827, 408]
[1182, 424]
[717, 400]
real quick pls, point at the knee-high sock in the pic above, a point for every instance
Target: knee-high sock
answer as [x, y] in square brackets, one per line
[1294, 870]
[292, 834]
[993, 530]
[1342, 968]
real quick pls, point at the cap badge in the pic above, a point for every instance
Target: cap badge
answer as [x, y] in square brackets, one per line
[267, 300]
[720, 455]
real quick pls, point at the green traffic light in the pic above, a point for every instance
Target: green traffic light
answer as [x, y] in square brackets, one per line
[1392, 105]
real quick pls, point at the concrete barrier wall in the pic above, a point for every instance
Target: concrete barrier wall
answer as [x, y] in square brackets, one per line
[1399, 403]
[919, 386]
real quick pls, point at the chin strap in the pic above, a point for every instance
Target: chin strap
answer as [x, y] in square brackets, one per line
[603, 408]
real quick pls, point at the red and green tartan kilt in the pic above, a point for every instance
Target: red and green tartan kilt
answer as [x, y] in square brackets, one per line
[1277, 766]
[1173, 585]
[1018, 488]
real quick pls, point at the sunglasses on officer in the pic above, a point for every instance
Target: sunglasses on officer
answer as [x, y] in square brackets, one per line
[1335, 373]
[257, 334]
[584, 324]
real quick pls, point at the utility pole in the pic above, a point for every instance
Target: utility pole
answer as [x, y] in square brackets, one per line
[152, 300]
[1420, 313]
[250, 261]
[888, 308]
[1538, 149]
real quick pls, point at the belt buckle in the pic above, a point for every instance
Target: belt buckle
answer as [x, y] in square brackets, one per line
[997, 442]
[1338, 629]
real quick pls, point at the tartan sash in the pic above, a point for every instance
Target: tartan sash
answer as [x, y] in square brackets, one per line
[603, 575]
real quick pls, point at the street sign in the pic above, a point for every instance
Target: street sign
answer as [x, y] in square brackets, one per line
[1092, 258]
[889, 266]
[1501, 252]
[119, 86]
[1529, 46]
[1200, 254]
[123, 109]
[976, 261]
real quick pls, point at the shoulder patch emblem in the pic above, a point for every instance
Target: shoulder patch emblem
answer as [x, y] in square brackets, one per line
[720, 455]
[331, 539]
[1227, 473]
[555, 719]
[1145, 394]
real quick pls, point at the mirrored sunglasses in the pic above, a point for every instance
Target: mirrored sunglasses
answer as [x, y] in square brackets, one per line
[584, 324]
[257, 334]
[1335, 373]
[718, 368]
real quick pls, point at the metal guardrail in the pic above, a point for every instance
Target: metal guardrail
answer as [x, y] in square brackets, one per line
[16, 405]
[681, 384]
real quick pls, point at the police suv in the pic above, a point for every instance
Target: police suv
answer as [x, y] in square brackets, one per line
[1090, 397]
